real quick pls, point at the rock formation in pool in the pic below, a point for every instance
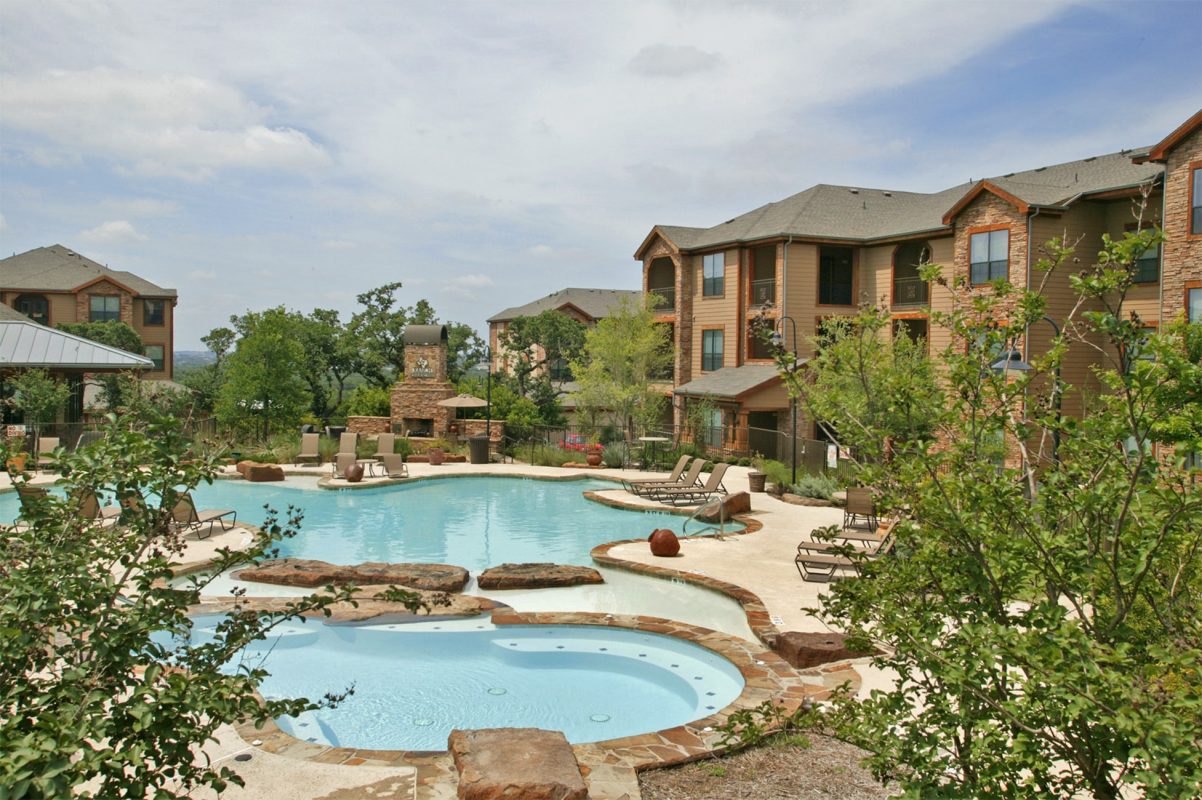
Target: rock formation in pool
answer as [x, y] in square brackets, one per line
[303, 572]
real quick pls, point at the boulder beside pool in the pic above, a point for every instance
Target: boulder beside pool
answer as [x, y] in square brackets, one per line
[536, 576]
[515, 763]
[309, 573]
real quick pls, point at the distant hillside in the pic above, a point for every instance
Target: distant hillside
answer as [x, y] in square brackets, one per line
[185, 359]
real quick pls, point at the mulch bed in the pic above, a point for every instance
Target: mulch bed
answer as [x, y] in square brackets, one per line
[827, 769]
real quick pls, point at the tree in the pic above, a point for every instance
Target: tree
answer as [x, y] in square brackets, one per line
[532, 345]
[378, 331]
[264, 388]
[621, 355]
[1041, 609]
[219, 340]
[205, 381]
[113, 333]
[39, 397]
[97, 698]
[465, 349]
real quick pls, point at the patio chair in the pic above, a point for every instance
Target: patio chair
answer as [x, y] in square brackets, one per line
[310, 452]
[30, 497]
[394, 465]
[860, 505]
[342, 462]
[186, 518]
[89, 507]
[46, 447]
[696, 494]
[347, 443]
[385, 445]
[817, 561]
[691, 480]
[673, 477]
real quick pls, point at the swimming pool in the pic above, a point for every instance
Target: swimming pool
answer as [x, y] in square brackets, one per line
[415, 682]
[474, 522]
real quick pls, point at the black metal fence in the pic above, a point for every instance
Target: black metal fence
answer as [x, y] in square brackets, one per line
[71, 434]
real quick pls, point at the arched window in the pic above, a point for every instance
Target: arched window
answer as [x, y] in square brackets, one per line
[908, 288]
[34, 306]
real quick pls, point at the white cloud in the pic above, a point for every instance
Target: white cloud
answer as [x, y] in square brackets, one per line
[3, 224]
[118, 231]
[139, 207]
[202, 275]
[673, 61]
[541, 250]
[338, 244]
[472, 281]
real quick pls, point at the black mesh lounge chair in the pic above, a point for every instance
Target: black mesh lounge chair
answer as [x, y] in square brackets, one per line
[673, 477]
[310, 452]
[696, 494]
[187, 518]
[691, 480]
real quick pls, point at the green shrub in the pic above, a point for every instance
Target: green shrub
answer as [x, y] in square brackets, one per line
[369, 401]
[615, 455]
[820, 486]
[403, 446]
[777, 472]
[545, 456]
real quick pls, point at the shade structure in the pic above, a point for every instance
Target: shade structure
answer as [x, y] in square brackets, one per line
[463, 401]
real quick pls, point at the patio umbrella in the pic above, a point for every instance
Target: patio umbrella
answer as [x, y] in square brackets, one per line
[463, 401]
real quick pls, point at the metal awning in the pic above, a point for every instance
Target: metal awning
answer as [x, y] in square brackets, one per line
[25, 344]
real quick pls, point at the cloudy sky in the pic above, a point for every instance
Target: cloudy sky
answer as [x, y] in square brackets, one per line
[487, 153]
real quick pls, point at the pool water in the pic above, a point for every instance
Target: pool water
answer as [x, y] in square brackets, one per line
[474, 522]
[414, 683]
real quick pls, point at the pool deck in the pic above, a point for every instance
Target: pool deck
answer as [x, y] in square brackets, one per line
[755, 567]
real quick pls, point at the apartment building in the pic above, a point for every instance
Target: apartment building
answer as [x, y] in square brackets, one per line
[55, 284]
[829, 249]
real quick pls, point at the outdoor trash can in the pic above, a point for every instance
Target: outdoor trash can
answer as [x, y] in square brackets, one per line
[478, 449]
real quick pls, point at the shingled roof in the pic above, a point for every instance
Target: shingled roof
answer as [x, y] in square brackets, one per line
[862, 215]
[597, 303]
[60, 269]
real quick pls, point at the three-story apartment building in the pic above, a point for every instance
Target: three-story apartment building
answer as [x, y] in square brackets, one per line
[829, 249]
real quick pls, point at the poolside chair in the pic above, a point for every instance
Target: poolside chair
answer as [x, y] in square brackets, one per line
[89, 507]
[310, 452]
[347, 443]
[860, 505]
[88, 438]
[185, 517]
[30, 497]
[692, 479]
[385, 445]
[819, 561]
[46, 447]
[696, 494]
[394, 465]
[341, 462]
[673, 477]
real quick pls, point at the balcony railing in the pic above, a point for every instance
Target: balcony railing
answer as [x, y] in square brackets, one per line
[763, 292]
[910, 291]
[669, 295]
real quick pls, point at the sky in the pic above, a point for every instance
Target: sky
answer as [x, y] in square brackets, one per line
[485, 154]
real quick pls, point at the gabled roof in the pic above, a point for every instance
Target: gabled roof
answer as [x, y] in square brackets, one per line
[731, 383]
[1160, 150]
[60, 269]
[25, 344]
[594, 303]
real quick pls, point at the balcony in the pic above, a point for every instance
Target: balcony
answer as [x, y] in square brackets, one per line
[669, 295]
[910, 291]
[763, 292]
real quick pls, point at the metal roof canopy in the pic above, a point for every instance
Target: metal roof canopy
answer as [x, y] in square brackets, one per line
[25, 344]
[425, 334]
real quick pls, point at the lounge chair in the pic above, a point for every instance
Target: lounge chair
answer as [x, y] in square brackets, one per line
[347, 443]
[46, 447]
[187, 518]
[673, 477]
[30, 497]
[385, 445]
[310, 452]
[696, 494]
[860, 505]
[90, 509]
[818, 561]
[691, 480]
[342, 462]
[88, 438]
[394, 465]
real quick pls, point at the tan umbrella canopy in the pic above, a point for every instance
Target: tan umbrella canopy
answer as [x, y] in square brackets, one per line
[463, 401]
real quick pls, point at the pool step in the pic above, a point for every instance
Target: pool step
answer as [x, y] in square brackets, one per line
[517, 764]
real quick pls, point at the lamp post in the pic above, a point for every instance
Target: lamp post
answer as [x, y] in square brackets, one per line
[488, 393]
[1012, 361]
[778, 340]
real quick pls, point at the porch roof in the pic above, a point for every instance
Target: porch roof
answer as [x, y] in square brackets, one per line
[26, 344]
[732, 383]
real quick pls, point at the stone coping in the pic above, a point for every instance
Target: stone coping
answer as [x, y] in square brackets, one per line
[767, 677]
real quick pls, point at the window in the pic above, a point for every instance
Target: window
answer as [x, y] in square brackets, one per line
[829, 330]
[559, 370]
[104, 308]
[1147, 267]
[1193, 304]
[914, 329]
[835, 276]
[152, 312]
[713, 275]
[34, 306]
[1138, 349]
[155, 353]
[714, 428]
[1195, 221]
[711, 350]
[989, 256]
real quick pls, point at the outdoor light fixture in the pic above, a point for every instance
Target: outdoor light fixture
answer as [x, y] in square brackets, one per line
[1011, 361]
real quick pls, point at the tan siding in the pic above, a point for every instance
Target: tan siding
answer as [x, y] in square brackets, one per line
[773, 398]
[943, 253]
[716, 312]
[876, 274]
[801, 303]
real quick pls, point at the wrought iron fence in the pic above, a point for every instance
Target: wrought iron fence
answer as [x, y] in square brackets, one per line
[910, 291]
[763, 292]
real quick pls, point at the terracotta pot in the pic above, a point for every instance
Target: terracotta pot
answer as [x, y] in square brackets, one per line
[437, 456]
[664, 543]
[16, 463]
[593, 459]
[354, 473]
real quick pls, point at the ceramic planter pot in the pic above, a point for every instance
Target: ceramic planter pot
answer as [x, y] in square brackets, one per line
[437, 456]
[354, 473]
[755, 481]
[593, 459]
[664, 543]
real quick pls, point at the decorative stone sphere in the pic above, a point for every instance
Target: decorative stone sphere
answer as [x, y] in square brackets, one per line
[664, 543]
[354, 473]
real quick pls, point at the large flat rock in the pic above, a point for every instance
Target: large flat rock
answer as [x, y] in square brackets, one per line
[536, 576]
[308, 573]
[516, 764]
[737, 503]
[811, 649]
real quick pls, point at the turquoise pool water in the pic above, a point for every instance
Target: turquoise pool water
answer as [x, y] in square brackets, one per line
[413, 683]
[474, 522]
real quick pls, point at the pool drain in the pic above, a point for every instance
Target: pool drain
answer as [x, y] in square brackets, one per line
[423, 723]
[497, 690]
[600, 717]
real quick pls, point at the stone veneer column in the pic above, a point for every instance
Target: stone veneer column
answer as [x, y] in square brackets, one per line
[1181, 261]
[425, 384]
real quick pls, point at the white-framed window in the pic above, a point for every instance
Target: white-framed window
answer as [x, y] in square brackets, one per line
[713, 275]
[711, 350]
[1195, 205]
[1193, 304]
[989, 256]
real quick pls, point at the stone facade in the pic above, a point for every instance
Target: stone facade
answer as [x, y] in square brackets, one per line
[478, 427]
[83, 301]
[681, 316]
[990, 212]
[371, 426]
[1182, 261]
[416, 398]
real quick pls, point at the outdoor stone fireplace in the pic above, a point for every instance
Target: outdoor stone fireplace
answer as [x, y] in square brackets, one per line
[415, 409]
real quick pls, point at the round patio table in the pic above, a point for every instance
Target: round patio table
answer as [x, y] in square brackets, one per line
[653, 441]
